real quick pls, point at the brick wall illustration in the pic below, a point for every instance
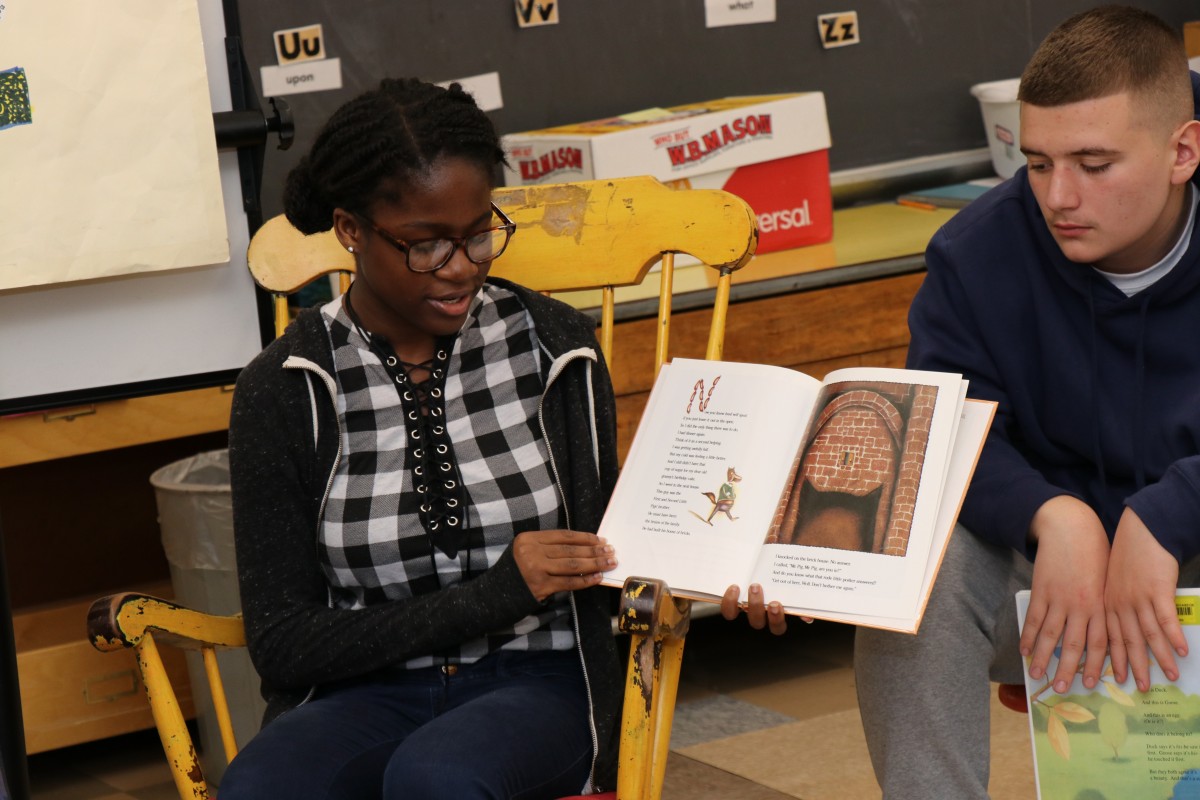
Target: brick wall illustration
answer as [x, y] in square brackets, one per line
[855, 484]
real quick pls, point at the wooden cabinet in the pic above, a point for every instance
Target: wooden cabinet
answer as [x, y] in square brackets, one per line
[100, 427]
[79, 521]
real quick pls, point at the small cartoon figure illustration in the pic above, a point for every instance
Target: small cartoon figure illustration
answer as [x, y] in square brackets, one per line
[725, 497]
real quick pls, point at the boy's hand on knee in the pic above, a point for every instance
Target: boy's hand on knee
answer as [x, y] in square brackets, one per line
[1066, 603]
[1139, 595]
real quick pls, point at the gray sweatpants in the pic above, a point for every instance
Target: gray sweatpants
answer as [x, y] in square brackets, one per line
[925, 699]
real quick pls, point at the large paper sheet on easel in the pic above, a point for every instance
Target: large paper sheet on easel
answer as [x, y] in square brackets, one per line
[108, 160]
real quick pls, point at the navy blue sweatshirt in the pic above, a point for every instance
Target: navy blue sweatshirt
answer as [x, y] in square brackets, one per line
[1099, 393]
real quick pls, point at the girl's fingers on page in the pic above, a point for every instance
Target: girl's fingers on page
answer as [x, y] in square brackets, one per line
[568, 538]
[549, 585]
[776, 619]
[599, 560]
[729, 603]
[548, 567]
[756, 613]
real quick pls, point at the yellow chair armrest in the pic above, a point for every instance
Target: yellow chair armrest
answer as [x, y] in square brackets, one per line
[123, 619]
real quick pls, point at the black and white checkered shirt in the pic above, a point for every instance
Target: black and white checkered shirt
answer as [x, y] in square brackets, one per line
[374, 548]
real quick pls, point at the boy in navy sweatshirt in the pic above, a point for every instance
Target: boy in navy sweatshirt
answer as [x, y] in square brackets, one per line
[1070, 295]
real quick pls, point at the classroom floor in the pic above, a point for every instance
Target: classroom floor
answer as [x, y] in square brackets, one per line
[758, 718]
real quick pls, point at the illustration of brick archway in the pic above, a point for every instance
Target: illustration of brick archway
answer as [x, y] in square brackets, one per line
[855, 485]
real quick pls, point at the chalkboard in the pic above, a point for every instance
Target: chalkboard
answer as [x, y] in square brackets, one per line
[902, 93]
[81, 342]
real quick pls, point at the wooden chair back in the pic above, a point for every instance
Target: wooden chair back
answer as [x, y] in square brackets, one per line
[592, 235]
[570, 237]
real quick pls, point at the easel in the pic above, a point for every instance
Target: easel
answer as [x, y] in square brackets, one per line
[247, 129]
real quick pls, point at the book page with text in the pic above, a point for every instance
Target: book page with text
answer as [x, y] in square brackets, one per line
[703, 477]
[972, 431]
[856, 533]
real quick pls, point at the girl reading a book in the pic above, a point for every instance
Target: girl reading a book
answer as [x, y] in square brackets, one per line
[414, 466]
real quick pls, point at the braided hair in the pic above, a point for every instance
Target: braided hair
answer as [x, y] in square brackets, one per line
[373, 143]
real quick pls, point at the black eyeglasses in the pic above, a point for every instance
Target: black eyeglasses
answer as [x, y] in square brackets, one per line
[430, 255]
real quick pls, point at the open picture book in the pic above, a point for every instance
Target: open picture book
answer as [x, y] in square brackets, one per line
[837, 496]
[1114, 741]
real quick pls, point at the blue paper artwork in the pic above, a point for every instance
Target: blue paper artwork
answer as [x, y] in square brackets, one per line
[14, 98]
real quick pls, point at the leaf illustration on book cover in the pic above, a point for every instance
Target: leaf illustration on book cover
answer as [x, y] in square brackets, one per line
[1071, 712]
[1056, 728]
[1117, 694]
[1057, 733]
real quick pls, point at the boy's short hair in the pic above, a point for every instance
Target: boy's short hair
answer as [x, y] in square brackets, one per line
[1108, 50]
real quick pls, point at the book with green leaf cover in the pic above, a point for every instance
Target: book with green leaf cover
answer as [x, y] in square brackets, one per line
[1114, 741]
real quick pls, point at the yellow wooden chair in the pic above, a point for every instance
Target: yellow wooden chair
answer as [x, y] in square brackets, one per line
[593, 235]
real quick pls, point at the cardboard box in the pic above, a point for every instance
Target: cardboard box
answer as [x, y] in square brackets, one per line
[770, 150]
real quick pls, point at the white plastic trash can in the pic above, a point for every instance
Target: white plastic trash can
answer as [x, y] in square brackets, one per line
[195, 517]
[1002, 123]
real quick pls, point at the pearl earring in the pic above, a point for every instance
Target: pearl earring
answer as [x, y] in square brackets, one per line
[350, 248]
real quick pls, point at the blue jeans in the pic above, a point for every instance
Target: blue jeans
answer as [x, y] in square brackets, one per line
[512, 725]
